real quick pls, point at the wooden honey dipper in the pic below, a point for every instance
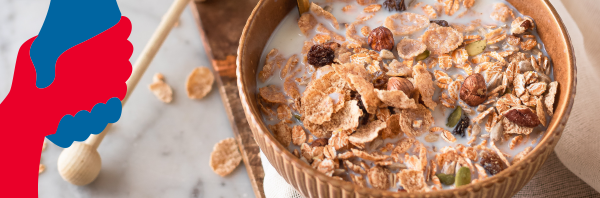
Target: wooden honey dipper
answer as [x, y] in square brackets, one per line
[80, 164]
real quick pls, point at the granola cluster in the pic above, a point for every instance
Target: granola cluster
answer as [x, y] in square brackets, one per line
[360, 107]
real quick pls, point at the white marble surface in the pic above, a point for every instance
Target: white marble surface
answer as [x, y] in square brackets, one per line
[156, 149]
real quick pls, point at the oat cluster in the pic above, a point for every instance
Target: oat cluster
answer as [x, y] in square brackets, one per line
[360, 107]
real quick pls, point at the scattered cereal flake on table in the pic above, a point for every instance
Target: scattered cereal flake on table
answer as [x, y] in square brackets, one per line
[412, 180]
[396, 98]
[406, 23]
[367, 133]
[225, 157]
[424, 85]
[442, 40]
[306, 23]
[409, 48]
[161, 89]
[550, 97]
[42, 168]
[502, 12]
[318, 10]
[199, 83]
[379, 177]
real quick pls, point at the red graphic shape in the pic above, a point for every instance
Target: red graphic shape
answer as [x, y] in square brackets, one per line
[89, 73]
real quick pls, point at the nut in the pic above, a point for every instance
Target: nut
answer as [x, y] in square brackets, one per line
[522, 116]
[473, 90]
[381, 38]
[402, 84]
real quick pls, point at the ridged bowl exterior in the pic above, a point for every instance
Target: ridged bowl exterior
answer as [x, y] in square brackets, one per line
[311, 183]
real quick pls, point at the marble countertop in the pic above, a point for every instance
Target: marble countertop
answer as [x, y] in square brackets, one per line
[156, 149]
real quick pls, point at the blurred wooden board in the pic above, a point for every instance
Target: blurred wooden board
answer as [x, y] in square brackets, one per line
[221, 23]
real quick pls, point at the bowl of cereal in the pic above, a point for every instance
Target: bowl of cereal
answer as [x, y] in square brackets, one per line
[394, 98]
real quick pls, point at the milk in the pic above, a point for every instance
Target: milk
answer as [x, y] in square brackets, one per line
[288, 39]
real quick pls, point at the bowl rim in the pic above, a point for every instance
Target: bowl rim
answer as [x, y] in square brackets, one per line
[554, 129]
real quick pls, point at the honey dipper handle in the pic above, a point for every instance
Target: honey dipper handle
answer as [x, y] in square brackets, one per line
[145, 58]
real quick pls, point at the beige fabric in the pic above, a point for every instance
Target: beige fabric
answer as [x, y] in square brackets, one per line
[579, 147]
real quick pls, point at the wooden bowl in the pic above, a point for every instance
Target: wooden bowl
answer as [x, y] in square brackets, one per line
[311, 183]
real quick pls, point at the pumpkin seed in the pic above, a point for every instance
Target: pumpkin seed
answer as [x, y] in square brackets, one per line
[298, 117]
[476, 47]
[423, 55]
[446, 179]
[454, 117]
[463, 176]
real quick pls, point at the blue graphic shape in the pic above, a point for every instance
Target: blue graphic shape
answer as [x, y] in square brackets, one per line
[67, 24]
[84, 123]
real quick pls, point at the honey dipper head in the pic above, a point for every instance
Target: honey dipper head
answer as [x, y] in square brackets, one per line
[79, 164]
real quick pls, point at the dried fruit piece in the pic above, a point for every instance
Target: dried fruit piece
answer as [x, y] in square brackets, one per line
[474, 90]
[395, 5]
[225, 157]
[463, 124]
[476, 47]
[199, 83]
[161, 89]
[409, 48]
[446, 179]
[423, 55]
[454, 117]
[522, 116]
[381, 38]
[491, 162]
[463, 176]
[320, 55]
[406, 23]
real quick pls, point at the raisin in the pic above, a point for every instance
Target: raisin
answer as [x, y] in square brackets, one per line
[462, 125]
[491, 162]
[320, 55]
[364, 119]
[395, 5]
[380, 80]
[319, 142]
[526, 24]
[440, 22]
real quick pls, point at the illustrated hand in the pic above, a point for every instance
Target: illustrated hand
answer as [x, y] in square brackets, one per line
[87, 74]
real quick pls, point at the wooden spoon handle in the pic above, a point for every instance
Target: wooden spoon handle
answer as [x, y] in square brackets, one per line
[145, 58]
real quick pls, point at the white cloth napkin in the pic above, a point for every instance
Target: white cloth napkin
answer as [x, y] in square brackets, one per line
[579, 147]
